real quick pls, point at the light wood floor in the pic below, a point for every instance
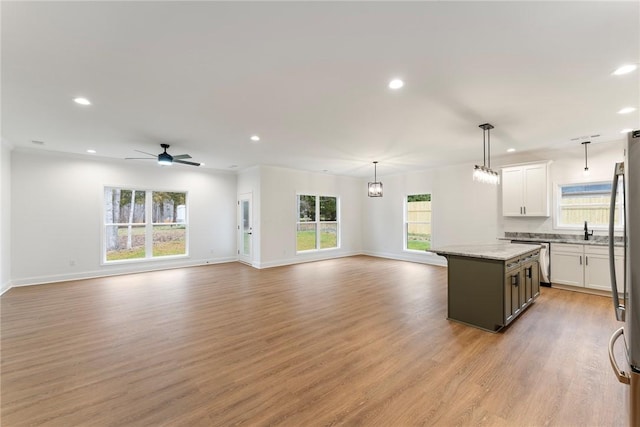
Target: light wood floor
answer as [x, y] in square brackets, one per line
[354, 341]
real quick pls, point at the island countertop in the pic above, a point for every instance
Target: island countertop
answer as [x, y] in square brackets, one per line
[497, 251]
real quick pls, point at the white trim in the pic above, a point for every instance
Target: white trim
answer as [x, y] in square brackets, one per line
[431, 258]
[9, 286]
[557, 196]
[148, 225]
[317, 222]
[405, 224]
[41, 280]
[302, 259]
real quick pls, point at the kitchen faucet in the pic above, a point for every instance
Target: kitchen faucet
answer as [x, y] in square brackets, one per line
[586, 232]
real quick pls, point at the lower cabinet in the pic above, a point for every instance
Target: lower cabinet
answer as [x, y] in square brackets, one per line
[521, 285]
[584, 266]
[489, 293]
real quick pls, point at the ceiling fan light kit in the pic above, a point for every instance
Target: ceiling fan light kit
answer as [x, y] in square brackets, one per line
[166, 159]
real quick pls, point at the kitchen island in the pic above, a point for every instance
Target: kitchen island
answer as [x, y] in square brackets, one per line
[490, 285]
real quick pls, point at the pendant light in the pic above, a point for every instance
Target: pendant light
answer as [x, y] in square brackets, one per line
[375, 187]
[484, 173]
[586, 165]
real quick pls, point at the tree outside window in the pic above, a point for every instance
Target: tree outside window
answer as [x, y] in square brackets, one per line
[317, 225]
[128, 233]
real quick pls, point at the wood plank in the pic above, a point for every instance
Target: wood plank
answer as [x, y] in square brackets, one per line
[358, 341]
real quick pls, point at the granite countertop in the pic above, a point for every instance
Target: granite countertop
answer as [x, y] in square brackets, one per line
[498, 251]
[576, 239]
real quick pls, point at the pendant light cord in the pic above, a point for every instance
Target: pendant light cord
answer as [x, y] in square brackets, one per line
[586, 165]
[484, 147]
[489, 148]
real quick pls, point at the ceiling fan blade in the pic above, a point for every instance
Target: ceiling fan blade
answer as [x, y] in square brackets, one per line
[184, 162]
[144, 152]
[139, 158]
[182, 156]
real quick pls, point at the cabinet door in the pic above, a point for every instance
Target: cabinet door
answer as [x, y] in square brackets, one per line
[535, 280]
[596, 272]
[535, 193]
[531, 275]
[512, 285]
[512, 203]
[566, 268]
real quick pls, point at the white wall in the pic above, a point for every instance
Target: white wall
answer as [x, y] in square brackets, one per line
[52, 208]
[56, 207]
[567, 167]
[463, 212]
[278, 211]
[5, 216]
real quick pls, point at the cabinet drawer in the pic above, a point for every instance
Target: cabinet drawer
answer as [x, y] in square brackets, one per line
[602, 250]
[567, 247]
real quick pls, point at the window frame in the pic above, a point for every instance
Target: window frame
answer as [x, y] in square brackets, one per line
[557, 209]
[406, 222]
[148, 225]
[317, 222]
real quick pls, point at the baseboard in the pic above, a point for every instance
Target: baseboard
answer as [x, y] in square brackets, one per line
[300, 259]
[116, 271]
[426, 258]
[5, 287]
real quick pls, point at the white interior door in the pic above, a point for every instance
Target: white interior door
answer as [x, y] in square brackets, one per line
[245, 228]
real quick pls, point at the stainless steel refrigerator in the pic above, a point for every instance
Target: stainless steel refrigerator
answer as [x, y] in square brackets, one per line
[626, 290]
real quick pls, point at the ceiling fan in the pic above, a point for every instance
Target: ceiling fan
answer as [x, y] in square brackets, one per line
[165, 158]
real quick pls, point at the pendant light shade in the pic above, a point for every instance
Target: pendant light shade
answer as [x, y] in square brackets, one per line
[375, 187]
[484, 173]
[586, 164]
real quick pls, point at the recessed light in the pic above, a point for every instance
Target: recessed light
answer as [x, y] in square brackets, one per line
[91, 151]
[396, 84]
[627, 110]
[510, 150]
[626, 130]
[625, 69]
[82, 101]
[255, 138]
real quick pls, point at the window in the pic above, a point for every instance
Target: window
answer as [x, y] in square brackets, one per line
[128, 233]
[577, 203]
[417, 228]
[317, 226]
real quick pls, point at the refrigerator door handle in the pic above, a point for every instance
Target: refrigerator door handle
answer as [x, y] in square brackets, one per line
[623, 377]
[619, 309]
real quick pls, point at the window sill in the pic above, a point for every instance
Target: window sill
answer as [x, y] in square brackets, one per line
[313, 251]
[143, 260]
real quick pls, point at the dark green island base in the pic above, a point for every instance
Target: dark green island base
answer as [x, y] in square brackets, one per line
[488, 292]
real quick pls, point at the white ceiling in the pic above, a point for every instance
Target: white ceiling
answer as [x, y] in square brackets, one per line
[311, 79]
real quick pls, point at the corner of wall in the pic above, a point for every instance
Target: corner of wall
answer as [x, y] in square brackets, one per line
[5, 215]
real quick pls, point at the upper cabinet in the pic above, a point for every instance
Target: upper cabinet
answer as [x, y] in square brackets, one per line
[525, 190]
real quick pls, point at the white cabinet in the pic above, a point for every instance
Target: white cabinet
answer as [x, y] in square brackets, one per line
[525, 190]
[583, 265]
[567, 264]
[596, 267]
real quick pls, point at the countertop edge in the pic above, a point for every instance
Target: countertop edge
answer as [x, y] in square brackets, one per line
[475, 251]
